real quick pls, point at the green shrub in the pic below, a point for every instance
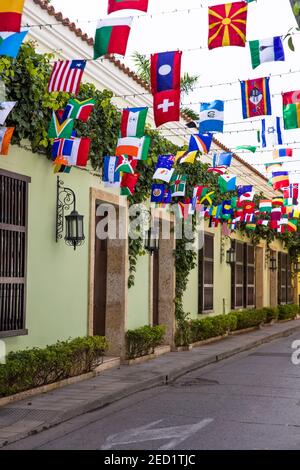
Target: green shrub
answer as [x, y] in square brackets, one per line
[33, 368]
[287, 312]
[210, 327]
[142, 341]
[249, 318]
[271, 313]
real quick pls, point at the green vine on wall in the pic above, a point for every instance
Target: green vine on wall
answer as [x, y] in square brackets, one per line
[26, 81]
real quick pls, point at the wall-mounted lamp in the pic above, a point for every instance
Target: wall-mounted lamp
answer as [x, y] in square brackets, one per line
[65, 198]
[151, 240]
[231, 256]
[273, 263]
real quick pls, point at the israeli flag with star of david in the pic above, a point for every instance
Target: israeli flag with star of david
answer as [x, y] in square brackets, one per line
[271, 132]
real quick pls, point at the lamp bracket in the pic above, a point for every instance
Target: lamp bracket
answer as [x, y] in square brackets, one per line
[65, 198]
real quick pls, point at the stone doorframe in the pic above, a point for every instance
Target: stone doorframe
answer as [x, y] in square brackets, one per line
[117, 274]
[259, 276]
[167, 276]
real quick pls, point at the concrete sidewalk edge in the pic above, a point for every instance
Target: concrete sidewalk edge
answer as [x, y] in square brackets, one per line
[158, 380]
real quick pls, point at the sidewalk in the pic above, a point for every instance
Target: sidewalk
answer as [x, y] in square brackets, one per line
[21, 419]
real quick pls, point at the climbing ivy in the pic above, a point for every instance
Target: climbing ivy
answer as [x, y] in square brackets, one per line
[26, 82]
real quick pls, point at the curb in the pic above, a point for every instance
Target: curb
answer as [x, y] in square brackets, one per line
[158, 380]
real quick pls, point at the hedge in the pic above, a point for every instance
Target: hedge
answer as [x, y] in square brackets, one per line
[36, 367]
[210, 327]
[249, 318]
[142, 341]
[287, 312]
[193, 331]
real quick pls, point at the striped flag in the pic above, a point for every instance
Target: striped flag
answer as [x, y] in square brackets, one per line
[66, 76]
[278, 153]
[133, 122]
[6, 134]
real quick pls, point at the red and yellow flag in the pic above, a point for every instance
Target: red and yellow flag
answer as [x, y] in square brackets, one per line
[11, 15]
[227, 25]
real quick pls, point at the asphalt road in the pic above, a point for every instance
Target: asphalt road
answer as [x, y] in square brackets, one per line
[251, 401]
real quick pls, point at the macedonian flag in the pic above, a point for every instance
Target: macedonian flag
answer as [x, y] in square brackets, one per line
[227, 25]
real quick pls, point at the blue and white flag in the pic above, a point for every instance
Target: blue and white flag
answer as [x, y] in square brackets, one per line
[200, 142]
[10, 43]
[222, 159]
[212, 117]
[266, 50]
[111, 177]
[271, 131]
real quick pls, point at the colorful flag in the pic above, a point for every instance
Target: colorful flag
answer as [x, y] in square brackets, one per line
[292, 225]
[227, 210]
[116, 5]
[279, 153]
[256, 98]
[271, 132]
[62, 148]
[165, 71]
[280, 179]
[164, 168]
[128, 184]
[60, 165]
[80, 151]
[133, 147]
[227, 25]
[249, 208]
[66, 76]
[11, 15]
[186, 157]
[200, 142]
[291, 109]
[266, 50]
[219, 170]
[206, 196]
[265, 205]
[126, 164]
[271, 167]
[80, 110]
[212, 116]
[227, 183]
[264, 223]
[5, 108]
[59, 128]
[10, 43]
[178, 185]
[160, 194]
[6, 134]
[75, 150]
[166, 106]
[277, 201]
[112, 36]
[133, 122]
[222, 159]
[110, 176]
[251, 148]
[291, 194]
[245, 193]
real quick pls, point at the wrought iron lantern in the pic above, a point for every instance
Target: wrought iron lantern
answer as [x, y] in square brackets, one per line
[151, 240]
[65, 199]
[231, 256]
[273, 263]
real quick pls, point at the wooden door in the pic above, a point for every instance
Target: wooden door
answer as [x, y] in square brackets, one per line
[155, 288]
[100, 283]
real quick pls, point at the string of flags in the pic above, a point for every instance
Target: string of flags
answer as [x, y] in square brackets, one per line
[227, 27]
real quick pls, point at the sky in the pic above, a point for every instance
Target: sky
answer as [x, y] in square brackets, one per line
[163, 30]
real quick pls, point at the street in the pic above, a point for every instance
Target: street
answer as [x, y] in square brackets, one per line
[251, 401]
